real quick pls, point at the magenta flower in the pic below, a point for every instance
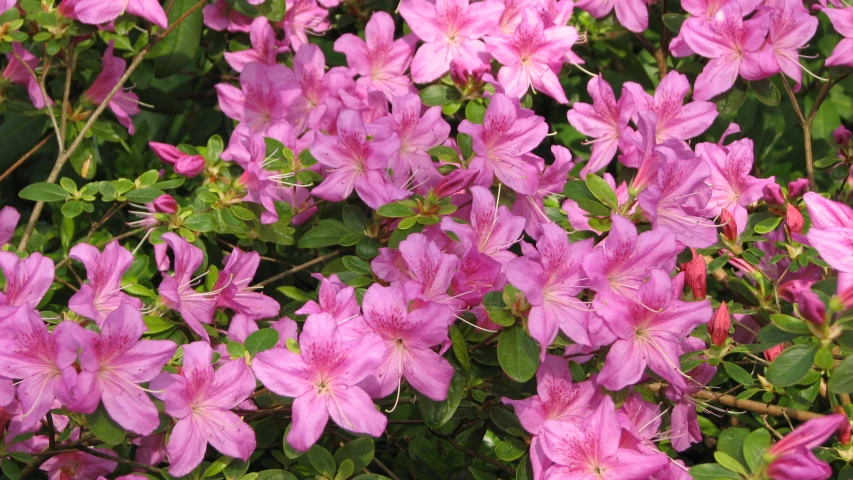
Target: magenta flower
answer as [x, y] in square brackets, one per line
[551, 182]
[430, 270]
[123, 104]
[622, 261]
[201, 399]
[732, 186]
[234, 290]
[592, 450]
[683, 420]
[8, 221]
[451, 30]
[265, 46]
[791, 27]
[831, 232]
[319, 103]
[114, 363]
[792, 456]
[303, 17]
[220, 16]
[324, 380]
[492, 229]
[176, 291]
[675, 120]
[842, 22]
[41, 360]
[417, 133]
[79, 465]
[408, 336]
[379, 59]
[184, 164]
[532, 56]
[16, 73]
[477, 275]
[648, 328]
[355, 163]
[632, 14]
[551, 282]
[96, 12]
[333, 298]
[606, 120]
[27, 281]
[102, 294]
[734, 47]
[263, 99]
[503, 143]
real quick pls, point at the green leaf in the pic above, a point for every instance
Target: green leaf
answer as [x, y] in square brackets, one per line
[217, 466]
[791, 365]
[157, 324]
[512, 449]
[200, 222]
[767, 225]
[524, 470]
[738, 374]
[260, 340]
[10, 469]
[242, 213]
[167, 184]
[326, 233]
[104, 427]
[601, 190]
[215, 147]
[355, 264]
[345, 470]
[593, 207]
[322, 460]
[71, 209]
[177, 50]
[360, 451]
[235, 349]
[293, 293]
[354, 218]
[730, 102]
[395, 210]
[460, 348]
[712, 471]
[475, 112]
[518, 354]
[143, 195]
[729, 463]
[673, 21]
[790, 324]
[841, 380]
[754, 447]
[43, 192]
[148, 178]
[438, 95]
[766, 92]
[436, 414]
[444, 153]
[731, 442]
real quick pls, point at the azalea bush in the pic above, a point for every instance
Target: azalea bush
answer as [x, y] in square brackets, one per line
[495, 239]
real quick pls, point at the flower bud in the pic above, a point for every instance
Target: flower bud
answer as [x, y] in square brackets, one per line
[794, 219]
[811, 307]
[165, 204]
[771, 353]
[186, 165]
[798, 188]
[773, 194]
[719, 325]
[696, 276]
[842, 135]
[729, 225]
[455, 181]
[843, 432]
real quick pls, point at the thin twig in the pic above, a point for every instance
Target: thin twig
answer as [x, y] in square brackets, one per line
[749, 405]
[70, 60]
[386, 469]
[47, 100]
[118, 459]
[51, 432]
[298, 268]
[24, 158]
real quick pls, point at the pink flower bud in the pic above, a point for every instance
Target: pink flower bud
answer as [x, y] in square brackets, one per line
[696, 276]
[794, 219]
[729, 225]
[798, 188]
[186, 165]
[165, 204]
[719, 325]
[773, 194]
[842, 136]
[771, 353]
[811, 307]
[454, 182]
[843, 433]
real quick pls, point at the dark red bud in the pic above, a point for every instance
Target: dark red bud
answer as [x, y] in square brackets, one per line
[843, 432]
[696, 276]
[729, 225]
[842, 135]
[773, 194]
[794, 219]
[719, 325]
[771, 353]
[165, 204]
[454, 182]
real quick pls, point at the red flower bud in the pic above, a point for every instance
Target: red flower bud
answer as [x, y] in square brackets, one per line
[165, 204]
[454, 182]
[729, 225]
[843, 432]
[696, 276]
[771, 353]
[719, 325]
[773, 194]
[794, 219]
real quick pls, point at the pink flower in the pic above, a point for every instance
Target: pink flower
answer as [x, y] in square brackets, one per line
[176, 291]
[502, 144]
[96, 12]
[675, 120]
[220, 16]
[791, 27]
[551, 182]
[408, 336]
[733, 45]
[233, 287]
[632, 14]
[319, 103]
[16, 73]
[323, 380]
[355, 163]
[114, 363]
[606, 120]
[27, 281]
[79, 465]
[41, 360]
[451, 30]
[263, 99]
[477, 275]
[123, 104]
[102, 294]
[591, 450]
[185, 164]
[201, 399]
[429, 270]
[792, 456]
[417, 133]
[303, 17]
[648, 328]
[532, 56]
[379, 59]
[492, 229]
[264, 49]
[8, 221]
[334, 299]
[732, 187]
[831, 232]
[551, 280]
[842, 22]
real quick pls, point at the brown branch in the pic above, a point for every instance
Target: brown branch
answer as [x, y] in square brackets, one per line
[24, 158]
[386, 469]
[118, 459]
[42, 457]
[298, 268]
[47, 100]
[749, 405]
[70, 60]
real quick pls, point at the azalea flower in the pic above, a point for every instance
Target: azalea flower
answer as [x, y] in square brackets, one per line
[102, 295]
[176, 291]
[263, 99]
[632, 14]
[27, 281]
[551, 182]
[8, 221]
[97, 12]
[301, 18]
[842, 22]
[184, 164]
[123, 104]
[221, 16]
[792, 457]
[79, 465]
[16, 72]
[791, 28]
